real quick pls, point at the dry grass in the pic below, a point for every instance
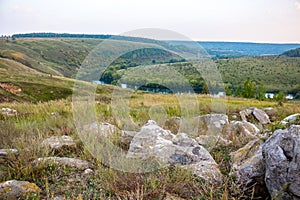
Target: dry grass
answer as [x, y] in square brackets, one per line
[35, 122]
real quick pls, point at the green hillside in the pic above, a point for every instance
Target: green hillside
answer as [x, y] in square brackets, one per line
[52, 56]
[37, 65]
[64, 56]
[21, 83]
[292, 53]
[275, 73]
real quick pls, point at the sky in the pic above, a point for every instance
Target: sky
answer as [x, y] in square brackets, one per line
[274, 21]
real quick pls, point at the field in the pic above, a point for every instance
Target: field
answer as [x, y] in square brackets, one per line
[36, 122]
[36, 81]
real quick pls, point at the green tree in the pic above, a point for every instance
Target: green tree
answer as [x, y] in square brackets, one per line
[248, 89]
[228, 90]
[297, 96]
[280, 98]
[261, 92]
[205, 89]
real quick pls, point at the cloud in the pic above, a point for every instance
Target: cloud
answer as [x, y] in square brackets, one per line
[21, 9]
[297, 5]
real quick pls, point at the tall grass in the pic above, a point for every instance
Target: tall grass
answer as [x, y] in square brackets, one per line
[35, 122]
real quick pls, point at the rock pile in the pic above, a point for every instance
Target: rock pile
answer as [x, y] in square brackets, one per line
[274, 165]
[180, 149]
[271, 165]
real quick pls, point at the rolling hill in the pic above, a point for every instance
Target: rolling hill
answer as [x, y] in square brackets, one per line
[40, 67]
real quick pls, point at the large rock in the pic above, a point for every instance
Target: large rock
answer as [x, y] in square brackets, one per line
[212, 124]
[70, 162]
[217, 141]
[241, 132]
[107, 129]
[59, 142]
[210, 128]
[249, 167]
[260, 115]
[181, 149]
[18, 190]
[281, 153]
[245, 114]
[103, 128]
[290, 119]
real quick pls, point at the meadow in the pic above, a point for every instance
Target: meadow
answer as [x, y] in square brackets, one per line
[35, 122]
[36, 81]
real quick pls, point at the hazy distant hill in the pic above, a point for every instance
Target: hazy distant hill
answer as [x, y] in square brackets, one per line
[240, 49]
[292, 53]
[215, 49]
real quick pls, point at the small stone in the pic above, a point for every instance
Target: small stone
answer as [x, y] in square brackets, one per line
[268, 109]
[5, 155]
[70, 162]
[290, 119]
[8, 112]
[6, 152]
[58, 142]
[59, 198]
[88, 171]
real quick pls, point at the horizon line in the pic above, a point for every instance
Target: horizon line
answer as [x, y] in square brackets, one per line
[192, 40]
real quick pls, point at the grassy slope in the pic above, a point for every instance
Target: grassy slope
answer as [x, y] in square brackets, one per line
[36, 122]
[51, 56]
[64, 56]
[35, 86]
[28, 63]
[277, 73]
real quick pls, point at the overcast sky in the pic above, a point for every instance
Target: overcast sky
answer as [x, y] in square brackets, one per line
[276, 21]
